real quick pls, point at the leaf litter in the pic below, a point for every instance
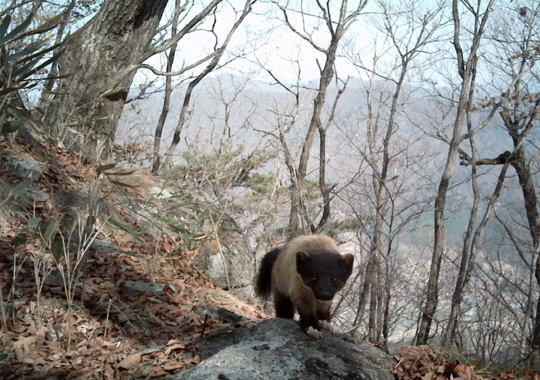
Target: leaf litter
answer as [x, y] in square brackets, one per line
[421, 363]
[112, 334]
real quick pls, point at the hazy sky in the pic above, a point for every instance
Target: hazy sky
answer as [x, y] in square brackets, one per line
[264, 39]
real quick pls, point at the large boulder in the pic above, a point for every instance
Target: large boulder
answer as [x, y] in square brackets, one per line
[225, 258]
[277, 349]
[228, 262]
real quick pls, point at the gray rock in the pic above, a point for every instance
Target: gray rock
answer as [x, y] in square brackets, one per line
[70, 198]
[30, 136]
[102, 245]
[160, 193]
[38, 195]
[25, 169]
[229, 264]
[54, 279]
[276, 349]
[218, 314]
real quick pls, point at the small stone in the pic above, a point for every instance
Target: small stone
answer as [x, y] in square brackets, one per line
[103, 246]
[25, 169]
[38, 195]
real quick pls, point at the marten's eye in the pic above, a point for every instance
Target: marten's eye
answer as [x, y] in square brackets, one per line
[334, 280]
[314, 279]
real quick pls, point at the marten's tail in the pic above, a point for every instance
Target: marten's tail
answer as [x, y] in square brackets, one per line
[263, 283]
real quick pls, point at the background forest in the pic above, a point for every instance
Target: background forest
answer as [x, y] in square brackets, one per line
[405, 129]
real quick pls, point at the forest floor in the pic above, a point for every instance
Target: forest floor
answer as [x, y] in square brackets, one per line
[98, 328]
[113, 333]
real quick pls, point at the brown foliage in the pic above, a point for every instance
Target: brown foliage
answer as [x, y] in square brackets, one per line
[420, 363]
[113, 334]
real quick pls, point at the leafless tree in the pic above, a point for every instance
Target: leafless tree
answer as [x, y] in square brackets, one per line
[179, 8]
[466, 67]
[25, 51]
[97, 67]
[408, 29]
[314, 16]
[215, 60]
[517, 42]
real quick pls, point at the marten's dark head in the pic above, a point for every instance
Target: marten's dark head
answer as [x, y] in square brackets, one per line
[324, 273]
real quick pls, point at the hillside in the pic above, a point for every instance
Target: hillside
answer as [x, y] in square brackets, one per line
[152, 152]
[138, 305]
[136, 300]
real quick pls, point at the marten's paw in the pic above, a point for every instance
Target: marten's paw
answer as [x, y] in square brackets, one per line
[325, 325]
[313, 333]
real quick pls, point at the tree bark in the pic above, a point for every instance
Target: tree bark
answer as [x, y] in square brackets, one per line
[324, 188]
[315, 124]
[98, 60]
[53, 73]
[520, 165]
[467, 261]
[407, 51]
[337, 30]
[523, 122]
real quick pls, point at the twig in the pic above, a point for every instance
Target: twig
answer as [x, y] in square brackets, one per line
[4, 319]
[222, 255]
[204, 325]
[107, 318]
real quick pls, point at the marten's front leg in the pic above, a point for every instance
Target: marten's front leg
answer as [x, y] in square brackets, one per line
[310, 325]
[324, 316]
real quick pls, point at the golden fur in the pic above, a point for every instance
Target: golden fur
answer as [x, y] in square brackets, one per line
[304, 276]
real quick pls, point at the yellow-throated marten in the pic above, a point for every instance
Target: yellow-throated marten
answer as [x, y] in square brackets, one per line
[304, 275]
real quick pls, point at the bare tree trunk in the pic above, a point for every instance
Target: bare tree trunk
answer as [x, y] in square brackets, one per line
[466, 70]
[520, 165]
[518, 126]
[314, 125]
[207, 70]
[373, 335]
[156, 156]
[386, 313]
[467, 262]
[337, 30]
[53, 73]
[289, 162]
[323, 186]
[363, 296]
[519, 162]
[381, 209]
[98, 61]
[468, 259]
[407, 51]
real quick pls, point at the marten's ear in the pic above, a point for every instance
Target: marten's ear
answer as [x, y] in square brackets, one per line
[348, 260]
[302, 256]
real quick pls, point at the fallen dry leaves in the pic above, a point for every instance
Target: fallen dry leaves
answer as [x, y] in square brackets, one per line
[112, 334]
[420, 363]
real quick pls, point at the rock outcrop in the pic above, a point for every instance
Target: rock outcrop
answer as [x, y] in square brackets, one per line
[277, 349]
